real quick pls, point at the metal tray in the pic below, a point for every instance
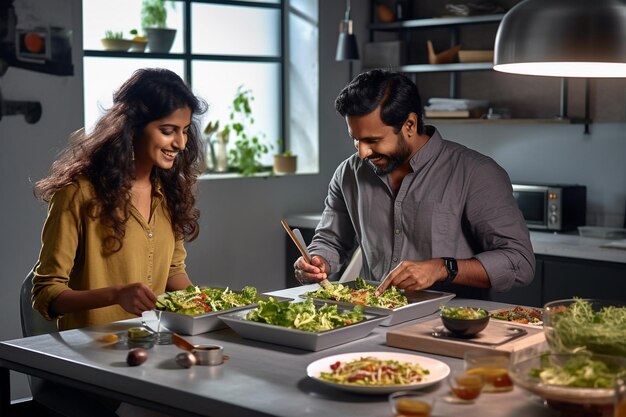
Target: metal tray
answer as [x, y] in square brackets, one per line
[299, 338]
[203, 323]
[421, 303]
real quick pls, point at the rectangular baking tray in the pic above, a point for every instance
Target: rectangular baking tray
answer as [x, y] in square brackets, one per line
[421, 303]
[300, 339]
[203, 323]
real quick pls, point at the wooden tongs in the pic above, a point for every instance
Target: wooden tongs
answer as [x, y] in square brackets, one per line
[296, 237]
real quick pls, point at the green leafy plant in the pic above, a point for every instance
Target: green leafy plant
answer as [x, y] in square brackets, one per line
[154, 13]
[248, 146]
[286, 152]
[109, 34]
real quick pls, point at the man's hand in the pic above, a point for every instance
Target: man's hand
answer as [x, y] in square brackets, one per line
[311, 273]
[136, 298]
[413, 276]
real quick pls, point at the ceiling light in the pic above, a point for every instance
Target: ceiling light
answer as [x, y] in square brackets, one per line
[563, 38]
[347, 49]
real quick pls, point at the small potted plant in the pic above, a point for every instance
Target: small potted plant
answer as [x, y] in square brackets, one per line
[285, 162]
[154, 24]
[114, 41]
[139, 42]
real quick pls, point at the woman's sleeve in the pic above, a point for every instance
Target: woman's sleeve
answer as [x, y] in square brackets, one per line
[59, 243]
[178, 259]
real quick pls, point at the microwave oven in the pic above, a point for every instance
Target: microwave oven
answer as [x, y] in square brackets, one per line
[557, 208]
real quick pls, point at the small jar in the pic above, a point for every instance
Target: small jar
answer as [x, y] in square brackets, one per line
[209, 354]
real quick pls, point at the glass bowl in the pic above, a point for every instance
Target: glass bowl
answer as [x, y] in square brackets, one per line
[463, 324]
[598, 326]
[411, 403]
[542, 374]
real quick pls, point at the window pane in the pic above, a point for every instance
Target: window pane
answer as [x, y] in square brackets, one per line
[103, 76]
[217, 83]
[100, 16]
[231, 30]
[303, 95]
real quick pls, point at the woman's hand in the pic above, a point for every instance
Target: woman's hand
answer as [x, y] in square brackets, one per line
[136, 298]
[311, 273]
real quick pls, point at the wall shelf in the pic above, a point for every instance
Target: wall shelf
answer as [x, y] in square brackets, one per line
[470, 66]
[436, 21]
[555, 120]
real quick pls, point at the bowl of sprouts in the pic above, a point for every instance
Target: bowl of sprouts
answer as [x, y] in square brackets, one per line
[592, 325]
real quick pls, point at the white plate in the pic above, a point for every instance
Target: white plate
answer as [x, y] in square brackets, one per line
[438, 371]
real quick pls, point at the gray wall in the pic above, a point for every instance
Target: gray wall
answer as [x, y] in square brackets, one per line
[241, 240]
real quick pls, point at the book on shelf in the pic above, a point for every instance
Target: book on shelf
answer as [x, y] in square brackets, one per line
[473, 113]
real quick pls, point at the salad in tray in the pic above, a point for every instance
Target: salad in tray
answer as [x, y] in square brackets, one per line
[373, 371]
[304, 316]
[363, 294]
[195, 300]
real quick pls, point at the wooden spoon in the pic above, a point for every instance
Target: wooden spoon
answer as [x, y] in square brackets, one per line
[182, 343]
[325, 283]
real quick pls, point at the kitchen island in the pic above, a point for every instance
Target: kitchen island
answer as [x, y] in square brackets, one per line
[258, 379]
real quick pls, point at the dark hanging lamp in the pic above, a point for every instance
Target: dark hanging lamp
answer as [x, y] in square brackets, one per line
[347, 48]
[563, 38]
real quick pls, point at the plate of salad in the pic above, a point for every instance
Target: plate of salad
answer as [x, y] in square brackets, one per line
[565, 379]
[377, 372]
[308, 325]
[195, 309]
[519, 315]
[400, 306]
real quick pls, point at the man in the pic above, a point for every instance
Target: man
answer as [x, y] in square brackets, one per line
[423, 209]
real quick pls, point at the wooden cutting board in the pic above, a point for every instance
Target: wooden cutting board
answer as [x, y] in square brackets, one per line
[496, 336]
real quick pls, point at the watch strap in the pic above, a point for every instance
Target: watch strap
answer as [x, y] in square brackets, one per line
[452, 268]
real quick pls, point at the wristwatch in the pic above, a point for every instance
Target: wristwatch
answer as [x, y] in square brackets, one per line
[452, 268]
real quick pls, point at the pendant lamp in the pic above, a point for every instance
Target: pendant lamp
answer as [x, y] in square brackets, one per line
[347, 49]
[563, 38]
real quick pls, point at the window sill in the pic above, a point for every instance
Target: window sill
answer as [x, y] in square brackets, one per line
[235, 175]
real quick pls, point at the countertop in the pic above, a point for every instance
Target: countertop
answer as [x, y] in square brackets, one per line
[259, 379]
[544, 243]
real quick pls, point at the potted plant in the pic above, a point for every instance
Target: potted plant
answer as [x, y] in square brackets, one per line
[248, 148]
[285, 162]
[114, 41]
[154, 24]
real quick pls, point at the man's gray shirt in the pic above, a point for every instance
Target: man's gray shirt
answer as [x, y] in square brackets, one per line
[456, 202]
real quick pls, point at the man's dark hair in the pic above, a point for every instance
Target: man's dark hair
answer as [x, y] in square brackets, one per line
[396, 94]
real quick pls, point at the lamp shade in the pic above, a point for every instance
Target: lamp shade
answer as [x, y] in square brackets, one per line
[563, 38]
[347, 49]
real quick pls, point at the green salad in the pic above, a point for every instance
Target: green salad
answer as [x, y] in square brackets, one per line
[578, 327]
[580, 371]
[304, 316]
[363, 294]
[465, 313]
[195, 300]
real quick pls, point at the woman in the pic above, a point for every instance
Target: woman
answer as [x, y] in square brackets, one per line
[121, 204]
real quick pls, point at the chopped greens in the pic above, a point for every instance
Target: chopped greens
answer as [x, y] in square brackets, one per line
[580, 371]
[304, 316]
[465, 313]
[363, 294]
[195, 300]
[578, 327]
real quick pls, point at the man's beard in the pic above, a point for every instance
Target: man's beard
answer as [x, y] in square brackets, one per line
[394, 160]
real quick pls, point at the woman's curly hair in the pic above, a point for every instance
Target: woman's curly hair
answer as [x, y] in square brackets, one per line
[105, 156]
